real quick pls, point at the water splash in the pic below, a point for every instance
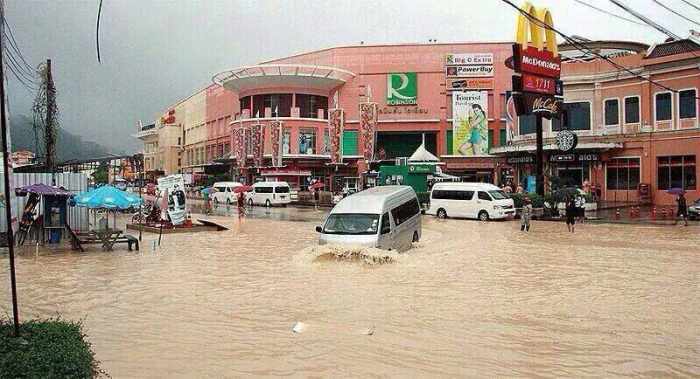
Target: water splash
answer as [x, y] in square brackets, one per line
[346, 253]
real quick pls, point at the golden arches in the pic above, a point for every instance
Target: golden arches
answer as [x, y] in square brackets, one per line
[537, 34]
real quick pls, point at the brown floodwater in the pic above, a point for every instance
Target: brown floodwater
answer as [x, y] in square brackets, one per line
[472, 299]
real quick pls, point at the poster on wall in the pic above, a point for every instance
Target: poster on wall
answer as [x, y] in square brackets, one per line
[335, 127]
[239, 148]
[173, 186]
[276, 142]
[470, 123]
[258, 143]
[511, 117]
[368, 129]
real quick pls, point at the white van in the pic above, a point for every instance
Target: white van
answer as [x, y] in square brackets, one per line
[270, 193]
[224, 192]
[470, 200]
[387, 217]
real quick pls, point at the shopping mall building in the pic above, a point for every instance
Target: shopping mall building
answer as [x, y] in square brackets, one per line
[631, 132]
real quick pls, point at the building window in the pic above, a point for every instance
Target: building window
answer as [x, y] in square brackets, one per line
[612, 113]
[448, 141]
[310, 104]
[663, 106]
[676, 172]
[280, 102]
[526, 124]
[502, 136]
[578, 115]
[632, 110]
[244, 103]
[622, 173]
[307, 141]
[350, 142]
[687, 103]
[326, 141]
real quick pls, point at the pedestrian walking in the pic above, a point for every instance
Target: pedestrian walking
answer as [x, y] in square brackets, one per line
[580, 207]
[570, 213]
[525, 215]
[241, 204]
[682, 209]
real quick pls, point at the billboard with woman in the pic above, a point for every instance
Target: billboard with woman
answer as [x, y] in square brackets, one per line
[470, 123]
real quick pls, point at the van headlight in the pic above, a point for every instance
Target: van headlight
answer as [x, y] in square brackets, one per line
[496, 207]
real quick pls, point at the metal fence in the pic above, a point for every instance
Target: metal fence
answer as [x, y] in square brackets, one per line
[77, 218]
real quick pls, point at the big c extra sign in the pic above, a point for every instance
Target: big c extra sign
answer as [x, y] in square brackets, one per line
[402, 88]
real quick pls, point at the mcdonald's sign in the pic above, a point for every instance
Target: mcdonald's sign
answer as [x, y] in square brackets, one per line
[537, 63]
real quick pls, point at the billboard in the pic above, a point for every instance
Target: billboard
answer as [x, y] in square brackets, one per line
[368, 129]
[473, 71]
[276, 142]
[470, 84]
[469, 59]
[470, 123]
[402, 88]
[238, 146]
[258, 145]
[173, 186]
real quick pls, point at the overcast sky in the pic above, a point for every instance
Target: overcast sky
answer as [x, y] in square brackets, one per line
[157, 52]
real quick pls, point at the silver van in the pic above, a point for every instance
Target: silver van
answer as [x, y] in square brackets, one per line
[387, 217]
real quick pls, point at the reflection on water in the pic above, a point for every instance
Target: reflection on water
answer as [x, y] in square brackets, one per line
[472, 299]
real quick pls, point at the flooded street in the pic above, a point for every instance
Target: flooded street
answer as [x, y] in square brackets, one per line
[472, 299]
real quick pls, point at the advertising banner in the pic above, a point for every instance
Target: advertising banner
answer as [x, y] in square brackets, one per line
[470, 123]
[469, 59]
[511, 116]
[238, 146]
[276, 142]
[470, 84]
[336, 121]
[173, 186]
[258, 143]
[469, 71]
[368, 129]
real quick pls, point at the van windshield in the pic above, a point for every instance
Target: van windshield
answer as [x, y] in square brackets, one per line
[352, 223]
[498, 195]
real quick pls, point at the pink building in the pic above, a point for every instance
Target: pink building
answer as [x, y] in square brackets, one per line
[301, 89]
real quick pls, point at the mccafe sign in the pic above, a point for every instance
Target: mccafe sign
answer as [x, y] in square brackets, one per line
[537, 64]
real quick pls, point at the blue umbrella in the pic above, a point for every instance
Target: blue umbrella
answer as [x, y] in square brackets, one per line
[106, 197]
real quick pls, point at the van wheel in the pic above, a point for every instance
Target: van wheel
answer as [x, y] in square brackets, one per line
[483, 216]
[415, 237]
[267, 203]
[250, 202]
[441, 213]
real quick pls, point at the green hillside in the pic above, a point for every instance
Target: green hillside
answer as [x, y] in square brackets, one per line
[69, 146]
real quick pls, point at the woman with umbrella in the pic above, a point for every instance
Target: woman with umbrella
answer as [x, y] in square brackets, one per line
[682, 205]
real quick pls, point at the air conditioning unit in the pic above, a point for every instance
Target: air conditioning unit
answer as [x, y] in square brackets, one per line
[402, 161]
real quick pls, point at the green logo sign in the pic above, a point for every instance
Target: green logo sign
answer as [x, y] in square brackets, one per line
[401, 88]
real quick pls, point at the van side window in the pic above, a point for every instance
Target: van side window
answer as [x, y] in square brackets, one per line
[283, 189]
[263, 189]
[452, 195]
[386, 225]
[405, 211]
[484, 196]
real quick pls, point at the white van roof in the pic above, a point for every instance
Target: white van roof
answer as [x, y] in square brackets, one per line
[373, 200]
[270, 184]
[227, 184]
[466, 186]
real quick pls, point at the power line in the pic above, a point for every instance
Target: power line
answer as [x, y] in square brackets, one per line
[97, 31]
[611, 14]
[646, 20]
[583, 48]
[13, 43]
[674, 12]
[691, 4]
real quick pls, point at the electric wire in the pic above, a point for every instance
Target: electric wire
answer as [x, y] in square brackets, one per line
[612, 14]
[691, 4]
[674, 12]
[646, 19]
[583, 48]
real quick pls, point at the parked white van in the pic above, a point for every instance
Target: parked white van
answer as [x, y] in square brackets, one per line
[470, 200]
[270, 193]
[224, 192]
[387, 217]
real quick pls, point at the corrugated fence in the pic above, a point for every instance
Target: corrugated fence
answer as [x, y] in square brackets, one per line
[76, 183]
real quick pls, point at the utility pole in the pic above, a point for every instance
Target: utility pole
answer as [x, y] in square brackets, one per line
[539, 157]
[50, 117]
[6, 178]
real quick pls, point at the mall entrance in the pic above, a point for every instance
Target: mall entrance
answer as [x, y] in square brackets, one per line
[403, 144]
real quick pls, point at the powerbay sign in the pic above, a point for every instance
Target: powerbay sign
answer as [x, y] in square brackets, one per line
[537, 64]
[402, 88]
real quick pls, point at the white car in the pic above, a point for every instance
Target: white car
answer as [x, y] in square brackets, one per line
[482, 201]
[270, 193]
[224, 192]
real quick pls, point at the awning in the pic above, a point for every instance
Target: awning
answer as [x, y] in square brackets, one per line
[301, 76]
[549, 147]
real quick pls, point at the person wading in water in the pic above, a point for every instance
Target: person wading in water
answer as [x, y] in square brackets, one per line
[682, 209]
[525, 215]
[570, 213]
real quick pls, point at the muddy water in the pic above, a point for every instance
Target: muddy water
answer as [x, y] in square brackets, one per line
[473, 299]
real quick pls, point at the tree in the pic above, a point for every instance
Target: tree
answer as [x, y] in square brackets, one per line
[101, 175]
